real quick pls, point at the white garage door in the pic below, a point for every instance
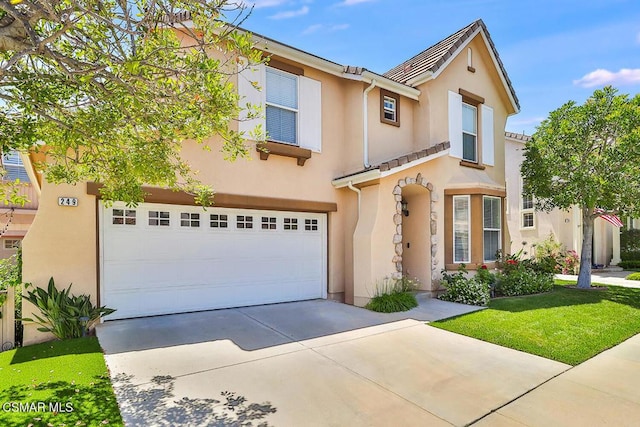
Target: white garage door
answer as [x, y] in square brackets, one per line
[159, 259]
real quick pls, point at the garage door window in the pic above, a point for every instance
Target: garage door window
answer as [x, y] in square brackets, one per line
[311, 224]
[124, 217]
[244, 221]
[268, 222]
[219, 221]
[159, 218]
[189, 219]
[291, 224]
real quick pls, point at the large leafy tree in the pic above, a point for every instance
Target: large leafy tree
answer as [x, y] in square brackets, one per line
[110, 88]
[587, 155]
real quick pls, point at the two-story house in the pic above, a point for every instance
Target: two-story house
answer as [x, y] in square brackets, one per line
[365, 176]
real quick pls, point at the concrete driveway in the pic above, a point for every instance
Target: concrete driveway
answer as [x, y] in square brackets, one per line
[312, 363]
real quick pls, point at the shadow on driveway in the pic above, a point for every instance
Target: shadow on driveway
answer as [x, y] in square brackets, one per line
[258, 327]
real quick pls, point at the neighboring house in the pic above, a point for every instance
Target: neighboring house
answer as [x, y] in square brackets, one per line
[367, 176]
[14, 224]
[528, 225]
[16, 219]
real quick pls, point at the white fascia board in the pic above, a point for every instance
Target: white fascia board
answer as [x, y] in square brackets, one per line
[393, 86]
[332, 68]
[482, 185]
[356, 179]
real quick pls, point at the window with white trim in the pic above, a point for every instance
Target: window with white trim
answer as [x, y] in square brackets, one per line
[282, 106]
[159, 218]
[218, 221]
[461, 229]
[389, 108]
[189, 219]
[12, 243]
[527, 210]
[311, 224]
[492, 229]
[123, 216]
[244, 221]
[469, 132]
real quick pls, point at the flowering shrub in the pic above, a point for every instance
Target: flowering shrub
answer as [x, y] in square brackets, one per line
[459, 288]
[570, 263]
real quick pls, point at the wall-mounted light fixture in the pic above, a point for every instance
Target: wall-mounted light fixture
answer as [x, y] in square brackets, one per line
[405, 207]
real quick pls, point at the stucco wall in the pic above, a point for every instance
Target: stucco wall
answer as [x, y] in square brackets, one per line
[61, 243]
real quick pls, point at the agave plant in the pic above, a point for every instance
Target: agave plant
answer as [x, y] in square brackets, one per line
[63, 314]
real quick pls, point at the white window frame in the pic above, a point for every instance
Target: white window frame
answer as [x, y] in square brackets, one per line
[282, 107]
[526, 211]
[475, 135]
[499, 229]
[467, 259]
[391, 108]
[15, 244]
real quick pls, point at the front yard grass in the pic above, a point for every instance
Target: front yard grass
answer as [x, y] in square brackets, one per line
[69, 376]
[567, 325]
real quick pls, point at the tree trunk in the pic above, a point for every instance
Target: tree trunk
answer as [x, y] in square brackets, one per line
[584, 276]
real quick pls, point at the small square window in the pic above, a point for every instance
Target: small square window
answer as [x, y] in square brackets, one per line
[243, 221]
[311, 224]
[218, 221]
[389, 108]
[12, 243]
[159, 218]
[291, 223]
[188, 219]
[124, 216]
[268, 223]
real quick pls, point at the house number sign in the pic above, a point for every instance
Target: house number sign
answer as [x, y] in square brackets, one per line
[67, 201]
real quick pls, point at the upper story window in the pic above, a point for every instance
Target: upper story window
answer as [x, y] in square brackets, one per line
[14, 168]
[471, 130]
[469, 133]
[282, 106]
[527, 211]
[389, 108]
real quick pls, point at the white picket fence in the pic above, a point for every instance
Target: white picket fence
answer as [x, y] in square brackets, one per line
[7, 323]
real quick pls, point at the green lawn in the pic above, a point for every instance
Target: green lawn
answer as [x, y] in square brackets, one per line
[70, 374]
[567, 325]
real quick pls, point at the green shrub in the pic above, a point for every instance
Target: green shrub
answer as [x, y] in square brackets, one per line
[393, 295]
[521, 279]
[630, 245]
[393, 302]
[10, 274]
[459, 288]
[633, 276]
[62, 312]
[629, 264]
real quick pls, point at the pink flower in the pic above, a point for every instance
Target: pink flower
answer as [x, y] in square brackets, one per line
[512, 262]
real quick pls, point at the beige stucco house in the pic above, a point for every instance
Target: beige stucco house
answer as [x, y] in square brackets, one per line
[525, 224]
[367, 176]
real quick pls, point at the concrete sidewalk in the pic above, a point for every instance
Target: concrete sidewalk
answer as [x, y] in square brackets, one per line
[615, 278]
[601, 391]
[292, 364]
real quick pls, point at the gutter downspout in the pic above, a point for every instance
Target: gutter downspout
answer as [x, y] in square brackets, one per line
[357, 190]
[365, 124]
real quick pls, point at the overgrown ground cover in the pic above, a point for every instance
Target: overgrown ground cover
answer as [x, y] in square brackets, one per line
[70, 376]
[567, 325]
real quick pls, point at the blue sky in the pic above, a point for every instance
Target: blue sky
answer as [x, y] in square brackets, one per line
[553, 50]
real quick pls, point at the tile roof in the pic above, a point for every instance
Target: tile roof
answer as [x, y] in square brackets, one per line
[433, 58]
[518, 136]
[403, 160]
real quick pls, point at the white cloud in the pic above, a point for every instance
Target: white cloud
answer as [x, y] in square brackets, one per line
[601, 77]
[291, 13]
[324, 28]
[353, 2]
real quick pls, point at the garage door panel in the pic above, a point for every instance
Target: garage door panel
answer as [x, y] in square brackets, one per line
[149, 270]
